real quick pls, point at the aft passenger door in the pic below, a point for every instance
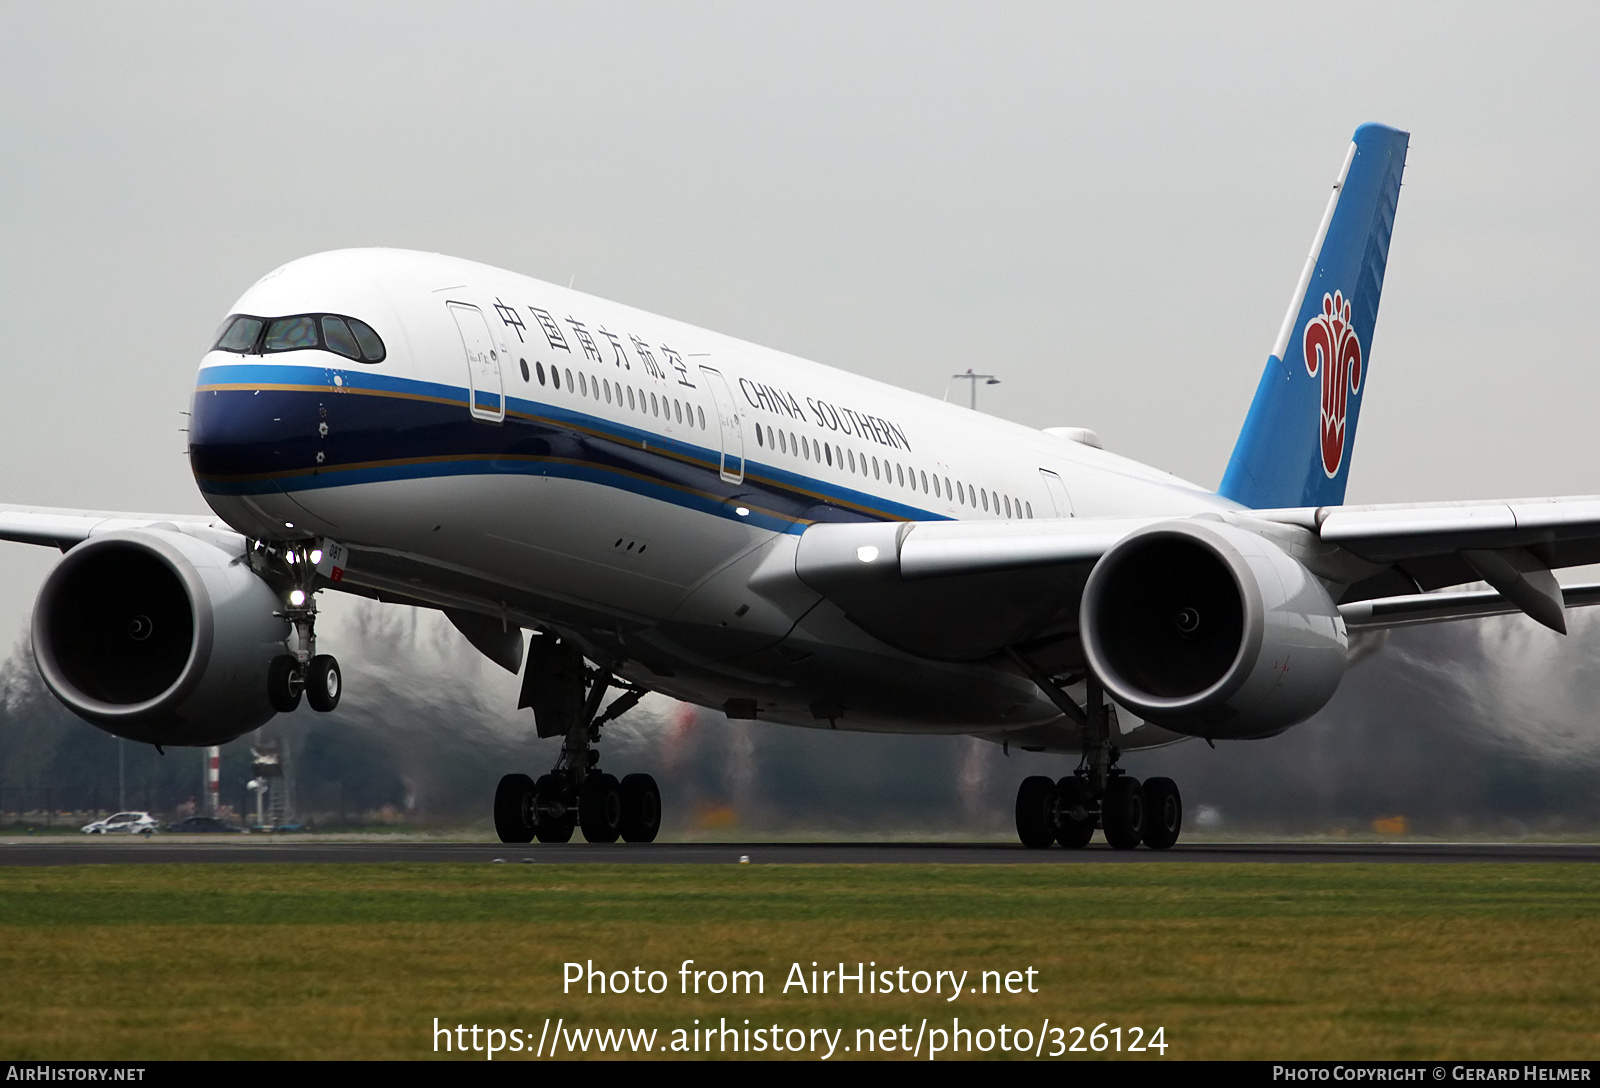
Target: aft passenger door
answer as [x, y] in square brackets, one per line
[485, 395]
[731, 425]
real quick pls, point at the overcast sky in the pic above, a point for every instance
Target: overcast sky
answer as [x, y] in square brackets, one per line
[1106, 206]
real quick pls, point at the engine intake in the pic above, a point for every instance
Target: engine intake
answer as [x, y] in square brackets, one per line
[1208, 629]
[156, 636]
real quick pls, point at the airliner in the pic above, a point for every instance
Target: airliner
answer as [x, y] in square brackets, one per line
[611, 503]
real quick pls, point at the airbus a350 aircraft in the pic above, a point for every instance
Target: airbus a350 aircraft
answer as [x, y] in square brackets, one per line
[667, 509]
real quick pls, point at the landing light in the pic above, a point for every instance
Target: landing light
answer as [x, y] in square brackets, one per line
[316, 555]
[867, 553]
[742, 511]
[297, 598]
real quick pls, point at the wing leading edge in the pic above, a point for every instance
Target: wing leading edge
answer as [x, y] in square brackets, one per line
[57, 527]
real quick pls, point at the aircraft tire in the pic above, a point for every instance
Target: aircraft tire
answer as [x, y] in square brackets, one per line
[550, 790]
[283, 684]
[600, 808]
[513, 808]
[324, 684]
[1035, 805]
[1122, 813]
[641, 808]
[1163, 813]
[1074, 796]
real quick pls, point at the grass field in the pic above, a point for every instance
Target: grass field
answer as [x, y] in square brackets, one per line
[1232, 961]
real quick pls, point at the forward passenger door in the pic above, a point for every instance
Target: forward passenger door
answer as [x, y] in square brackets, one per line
[485, 394]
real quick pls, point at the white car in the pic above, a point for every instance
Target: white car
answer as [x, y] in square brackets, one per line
[132, 823]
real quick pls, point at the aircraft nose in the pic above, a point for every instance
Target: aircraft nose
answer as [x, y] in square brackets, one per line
[245, 436]
[262, 405]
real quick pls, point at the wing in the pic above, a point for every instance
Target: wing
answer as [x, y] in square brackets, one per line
[61, 528]
[965, 590]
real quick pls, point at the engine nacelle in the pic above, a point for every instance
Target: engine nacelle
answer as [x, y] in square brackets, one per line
[158, 637]
[1211, 630]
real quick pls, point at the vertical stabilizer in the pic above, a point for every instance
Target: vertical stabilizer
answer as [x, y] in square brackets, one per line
[1297, 441]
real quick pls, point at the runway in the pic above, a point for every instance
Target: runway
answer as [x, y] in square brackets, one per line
[43, 851]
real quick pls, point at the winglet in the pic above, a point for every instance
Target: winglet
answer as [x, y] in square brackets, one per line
[1295, 447]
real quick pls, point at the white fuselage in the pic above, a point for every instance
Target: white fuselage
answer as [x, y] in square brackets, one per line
[574, 464]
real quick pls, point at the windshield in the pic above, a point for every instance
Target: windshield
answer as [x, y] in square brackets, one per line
[244, 334]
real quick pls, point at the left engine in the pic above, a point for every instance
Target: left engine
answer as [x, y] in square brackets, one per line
[159, 637]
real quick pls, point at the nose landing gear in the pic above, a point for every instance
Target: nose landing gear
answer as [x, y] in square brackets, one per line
[565, 694]
[304, 672]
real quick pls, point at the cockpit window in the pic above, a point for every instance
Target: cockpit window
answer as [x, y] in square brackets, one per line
[243, 334]
[239, 334]
[371, 346]
[337, 334]
[291, 334]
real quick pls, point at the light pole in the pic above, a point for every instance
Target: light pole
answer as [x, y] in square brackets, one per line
[969, 376]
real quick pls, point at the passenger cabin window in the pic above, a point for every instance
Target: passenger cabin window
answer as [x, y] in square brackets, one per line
[246, 335]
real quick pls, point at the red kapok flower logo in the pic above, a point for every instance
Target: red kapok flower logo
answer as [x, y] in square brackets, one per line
[1331, 349]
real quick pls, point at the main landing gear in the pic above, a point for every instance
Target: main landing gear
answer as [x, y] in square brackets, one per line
[565, 694]
[304, 672]
[1099, 794]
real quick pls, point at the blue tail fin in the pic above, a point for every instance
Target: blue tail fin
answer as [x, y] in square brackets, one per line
[1296, 443]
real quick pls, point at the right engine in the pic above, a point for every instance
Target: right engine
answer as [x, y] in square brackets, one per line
[157, 636]
[1208, 629]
